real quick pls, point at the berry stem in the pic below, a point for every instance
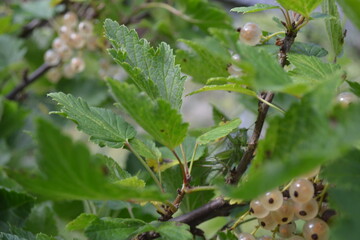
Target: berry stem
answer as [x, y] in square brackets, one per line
[267, 38]
[239, 221]
[193, 158]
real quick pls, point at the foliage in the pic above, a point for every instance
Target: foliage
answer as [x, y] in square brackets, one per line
[151, 170]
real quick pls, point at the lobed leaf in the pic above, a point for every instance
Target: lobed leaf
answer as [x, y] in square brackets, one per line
[218, 132]
[152, 70]
[158, 118]
[59, 180]
[308, 49]
[103, 126]
[304, 7]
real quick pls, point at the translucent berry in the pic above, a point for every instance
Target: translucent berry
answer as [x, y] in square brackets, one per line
[287, 230]
[65, 52]
[267, 222]
[76, 40]
[51, 57]
[345, 98]
[53, 75]
[272, 200]
[68, 71]
[250, 34]
[70, 19]
[285, 213]
[57, 43]
[316, 229]
[257, 209]
[64, 32]
[77, 64]
[306, 211]
[302, 190]
[246, 236]
[85, 28]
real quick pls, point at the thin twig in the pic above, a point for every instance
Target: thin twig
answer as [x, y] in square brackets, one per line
[27, 80]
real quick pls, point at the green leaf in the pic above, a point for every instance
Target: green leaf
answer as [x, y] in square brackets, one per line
[205, 14]
[161, 121]
[226, 87]
[104, 126]
[256, 8]
[169, 160]
[355, 87]
[172, 230]
[208, 64]
[68, 171]
[308, 49]
[152, 70]
[304, 7]
[112, 169]
[81, 222]
[351, 9]
[292, 143]
[13, 117]
[218, 115]
[218, 132]
[133, 182]
[42, 220]
[8, 236]
[333, 26]
[113, 228]
[227, 38]
[146, 148]
[311, 69]
[268, 73]
[38, 9]
[344, 194]
[42, 236]
[14, 207]
[11, 50]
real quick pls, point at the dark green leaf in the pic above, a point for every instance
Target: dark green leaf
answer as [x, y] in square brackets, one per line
[351, 9]
[218, 132]
[256, 8]
[344, 194]
[333, 26]
[70, 172]
[152, 70]
[14, 207]
[42, 220]
[104, 126]
[8, 236]
[13, 117]
[355, 87]
[81, 222]
[308, 49]
[161, 121]
[208, 64]
[304, 7]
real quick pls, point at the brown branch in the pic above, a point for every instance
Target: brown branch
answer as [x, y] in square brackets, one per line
[27, 80]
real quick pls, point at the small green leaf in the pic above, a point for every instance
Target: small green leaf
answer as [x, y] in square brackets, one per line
[344, 194]
[268, 73]
[351, 9]
[42, 219]
[161, 121]
[172, 230]
[333, 26]
[355, 87]
[43, 236]
[81, 222]
[256, 8]
[146, 148]
[14, 207]
[226, 87]
[208, 64]
[113, 228]
[308, 49]
[133, 182]
[70, 172]
[104, 126]
[218, 132]
[304, 7]
[152, 70]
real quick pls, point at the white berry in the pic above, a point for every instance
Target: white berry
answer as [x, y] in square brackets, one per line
[51, 57]
[77, 64]
[85, 28]
[70, 19]
[250, 34]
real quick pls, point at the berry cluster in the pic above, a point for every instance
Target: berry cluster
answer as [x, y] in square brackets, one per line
[278, 211]
[73, 36]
